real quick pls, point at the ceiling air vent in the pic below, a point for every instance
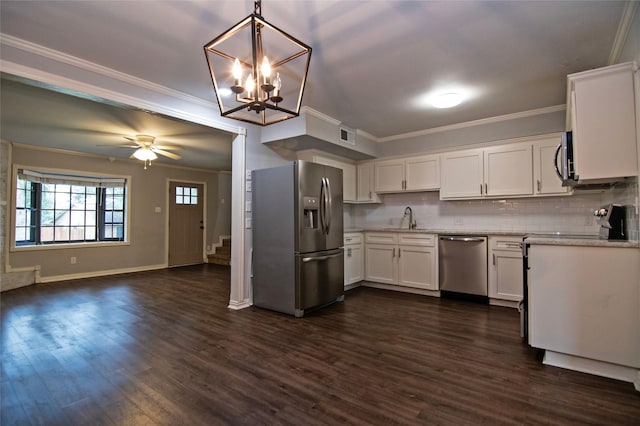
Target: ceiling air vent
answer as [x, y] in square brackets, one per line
[347, 136]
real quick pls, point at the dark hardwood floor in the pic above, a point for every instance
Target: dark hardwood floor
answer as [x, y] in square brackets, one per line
[161, 347]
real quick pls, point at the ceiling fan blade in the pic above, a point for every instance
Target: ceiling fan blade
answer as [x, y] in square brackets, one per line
[124, 145]
[168, 147]
[166, 153]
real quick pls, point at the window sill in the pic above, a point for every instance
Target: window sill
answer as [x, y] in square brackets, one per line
[69, 246]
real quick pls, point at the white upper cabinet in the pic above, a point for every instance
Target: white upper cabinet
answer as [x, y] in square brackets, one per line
[546, 180]
[503, 170]
[419, 173]
[365, 184]
[508, 170]
[422, 173]
[602, 116]
[461, 174]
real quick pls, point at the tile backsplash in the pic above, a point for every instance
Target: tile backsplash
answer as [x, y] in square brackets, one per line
[567, 214]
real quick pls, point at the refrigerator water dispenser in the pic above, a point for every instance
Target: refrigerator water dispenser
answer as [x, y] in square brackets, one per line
[310, 205]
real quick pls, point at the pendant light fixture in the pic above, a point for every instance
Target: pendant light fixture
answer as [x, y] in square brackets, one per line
[258, 71]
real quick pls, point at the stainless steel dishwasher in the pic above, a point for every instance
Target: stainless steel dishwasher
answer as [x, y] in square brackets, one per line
[462, 265]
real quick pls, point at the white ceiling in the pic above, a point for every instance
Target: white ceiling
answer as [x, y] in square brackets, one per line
[371, 60]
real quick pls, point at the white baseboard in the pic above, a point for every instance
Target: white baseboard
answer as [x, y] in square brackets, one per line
[403, 289]
[591, 366]
[352, 285]
[93, 274]
[504, 303]
[237, 305]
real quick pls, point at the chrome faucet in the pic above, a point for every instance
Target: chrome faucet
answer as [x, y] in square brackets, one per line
[408, 211]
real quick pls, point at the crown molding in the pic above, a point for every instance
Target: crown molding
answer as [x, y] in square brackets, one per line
[628, 14]
[56, 81]
[310, 111]
[58, 56]
[482, 121]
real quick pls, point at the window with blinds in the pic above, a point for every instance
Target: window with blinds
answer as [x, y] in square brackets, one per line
[58, 208]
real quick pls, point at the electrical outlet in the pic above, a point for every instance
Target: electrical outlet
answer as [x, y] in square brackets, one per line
[74, 260]
[458, 221]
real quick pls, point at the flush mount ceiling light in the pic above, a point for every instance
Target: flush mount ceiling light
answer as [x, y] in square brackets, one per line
[447, 100]
[263, 66]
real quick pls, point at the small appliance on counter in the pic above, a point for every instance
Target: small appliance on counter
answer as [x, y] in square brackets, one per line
[612, 219]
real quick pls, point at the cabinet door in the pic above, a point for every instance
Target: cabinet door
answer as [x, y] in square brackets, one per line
[508, 170]
[417, 267]
[461, 174]
[353, 264]
[365, 182]
[422, 173]
[505, 275]
[604, 138]
[546, 180]
[389, 176]
[380, 263]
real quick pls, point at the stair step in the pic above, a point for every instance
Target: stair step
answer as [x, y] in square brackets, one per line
[223, 250]
[219, 260]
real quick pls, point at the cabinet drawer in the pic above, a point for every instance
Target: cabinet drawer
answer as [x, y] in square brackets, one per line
[352, 238]
[413, 239]
[508, 243]
[381, 238]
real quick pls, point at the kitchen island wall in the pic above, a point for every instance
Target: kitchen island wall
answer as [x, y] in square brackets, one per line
[567, 214]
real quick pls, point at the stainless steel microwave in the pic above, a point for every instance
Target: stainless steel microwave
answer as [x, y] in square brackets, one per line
[566, 167]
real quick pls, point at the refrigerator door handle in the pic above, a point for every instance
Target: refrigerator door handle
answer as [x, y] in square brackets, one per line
[329, 196]
[318, 258]
[323, 207]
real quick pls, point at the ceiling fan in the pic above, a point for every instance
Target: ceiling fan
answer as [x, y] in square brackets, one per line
[147, 150]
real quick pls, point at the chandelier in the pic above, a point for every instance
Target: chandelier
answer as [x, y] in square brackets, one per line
[258, 71]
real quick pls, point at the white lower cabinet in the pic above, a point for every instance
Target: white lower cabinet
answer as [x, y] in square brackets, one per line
[505, 268]
[406, 259]
[353, 258]
[583, 308]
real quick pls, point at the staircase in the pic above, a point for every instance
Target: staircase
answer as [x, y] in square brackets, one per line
[222, 256]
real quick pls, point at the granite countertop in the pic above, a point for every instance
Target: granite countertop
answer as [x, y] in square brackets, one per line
[579, 240]
[437, 231]
[556, 239]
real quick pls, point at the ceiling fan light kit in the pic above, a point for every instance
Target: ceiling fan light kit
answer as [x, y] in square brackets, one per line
[262, 67]
[145, 154]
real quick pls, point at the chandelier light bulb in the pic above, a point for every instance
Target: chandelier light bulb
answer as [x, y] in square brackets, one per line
[250, 85]
[236, 70]
[266, 68]
[277, 86]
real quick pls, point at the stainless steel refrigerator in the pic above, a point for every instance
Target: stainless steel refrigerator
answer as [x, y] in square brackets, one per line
[297, 261]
